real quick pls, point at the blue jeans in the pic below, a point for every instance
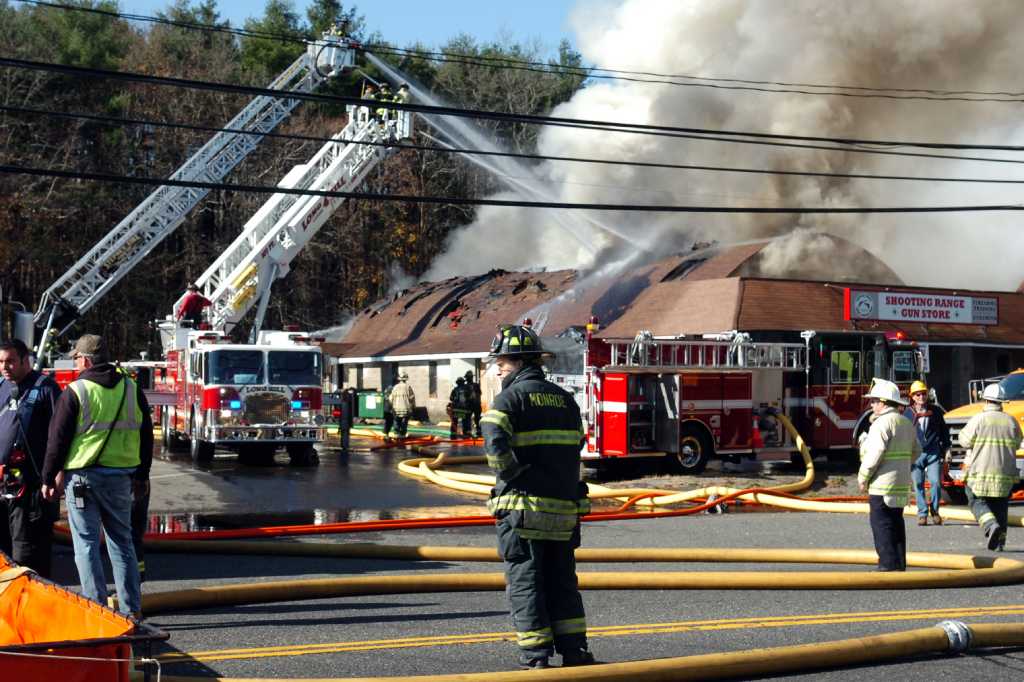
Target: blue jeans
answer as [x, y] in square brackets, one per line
[930, 467]
[108, 504]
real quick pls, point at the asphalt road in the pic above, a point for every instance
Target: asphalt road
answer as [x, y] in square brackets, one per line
[427, 634]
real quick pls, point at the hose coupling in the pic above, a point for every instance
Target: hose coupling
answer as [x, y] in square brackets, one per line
[959, 635]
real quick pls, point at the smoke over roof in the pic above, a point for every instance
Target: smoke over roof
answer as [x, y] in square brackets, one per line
[940, 44]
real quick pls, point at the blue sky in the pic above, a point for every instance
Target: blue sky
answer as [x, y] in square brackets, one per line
[406, 21]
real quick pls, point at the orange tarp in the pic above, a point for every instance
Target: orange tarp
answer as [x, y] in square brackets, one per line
[40, 621]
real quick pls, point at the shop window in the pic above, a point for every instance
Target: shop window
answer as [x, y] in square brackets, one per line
[845, 367]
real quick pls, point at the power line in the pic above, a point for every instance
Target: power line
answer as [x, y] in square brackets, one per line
[463, 201]
[112, 120]
[534, 119]
[598, 72]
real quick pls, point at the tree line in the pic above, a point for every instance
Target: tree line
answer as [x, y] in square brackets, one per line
[47, 224]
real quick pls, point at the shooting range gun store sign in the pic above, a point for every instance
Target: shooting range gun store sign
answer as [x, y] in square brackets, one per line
[922, 307]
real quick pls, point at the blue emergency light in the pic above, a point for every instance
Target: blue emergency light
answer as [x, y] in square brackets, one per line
[235, 404]
[296, 404]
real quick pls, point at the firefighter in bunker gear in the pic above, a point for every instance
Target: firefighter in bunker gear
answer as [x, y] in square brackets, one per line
[403, 404]
[460, 401]
[532, 436]
[886, 453]
[990, 469]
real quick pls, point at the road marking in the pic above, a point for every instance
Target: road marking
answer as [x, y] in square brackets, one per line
[601, 631]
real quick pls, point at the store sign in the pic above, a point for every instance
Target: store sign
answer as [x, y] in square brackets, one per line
[927, 308]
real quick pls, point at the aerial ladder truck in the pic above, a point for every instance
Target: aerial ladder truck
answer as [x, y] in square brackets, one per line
[253, 397]
[114, 256]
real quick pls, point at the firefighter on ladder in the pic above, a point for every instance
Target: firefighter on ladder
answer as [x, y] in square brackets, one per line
[532, 436]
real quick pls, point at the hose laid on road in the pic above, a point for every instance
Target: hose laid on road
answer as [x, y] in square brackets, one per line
[428, 469]
[755, 663]
[949, 570]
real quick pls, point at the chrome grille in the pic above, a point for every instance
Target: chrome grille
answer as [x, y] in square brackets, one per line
[267, 408]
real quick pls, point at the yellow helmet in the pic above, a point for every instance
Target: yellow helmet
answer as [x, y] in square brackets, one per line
[918, 387]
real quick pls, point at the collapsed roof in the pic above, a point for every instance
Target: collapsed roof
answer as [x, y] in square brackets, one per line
[708, 290]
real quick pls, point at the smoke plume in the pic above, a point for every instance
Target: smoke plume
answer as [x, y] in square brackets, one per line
[911, 44]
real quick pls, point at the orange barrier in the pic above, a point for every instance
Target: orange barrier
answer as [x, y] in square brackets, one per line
[43, 625]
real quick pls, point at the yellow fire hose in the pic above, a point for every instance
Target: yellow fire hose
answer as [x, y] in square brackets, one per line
[429, 469]
[947, 637]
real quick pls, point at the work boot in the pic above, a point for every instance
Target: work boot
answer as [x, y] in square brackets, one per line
[922, 520]
[577, 657]
[997, 540]
[533, 662]
[936, 519]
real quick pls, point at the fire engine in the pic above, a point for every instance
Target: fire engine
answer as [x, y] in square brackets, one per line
[689, 399]
[1013, 388]
[250, 398]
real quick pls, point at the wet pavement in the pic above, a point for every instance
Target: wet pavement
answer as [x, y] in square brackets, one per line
[228, 494]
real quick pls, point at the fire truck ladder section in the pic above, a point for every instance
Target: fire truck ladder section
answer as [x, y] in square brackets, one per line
[279, 230]
[165, 209]
[725, 352]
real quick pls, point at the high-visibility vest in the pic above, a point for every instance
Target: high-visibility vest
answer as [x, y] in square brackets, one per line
[97, 414]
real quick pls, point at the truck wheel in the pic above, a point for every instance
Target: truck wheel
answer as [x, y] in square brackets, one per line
[201, 450]
[165, 429]
[302, 455]
[695, 449]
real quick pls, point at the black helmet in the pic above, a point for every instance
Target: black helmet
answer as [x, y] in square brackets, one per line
[460, 381]
[469, 375]
[514, 340]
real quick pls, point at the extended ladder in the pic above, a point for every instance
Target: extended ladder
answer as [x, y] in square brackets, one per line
[165, 209]
[281, 227]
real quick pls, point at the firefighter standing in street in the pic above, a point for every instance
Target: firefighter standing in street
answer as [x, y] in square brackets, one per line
[933, 435]
[886, 452]
[990, 470]
[532, 436]
[460, 399]
[474, 406]
[101, 444]
[403, 404]
[27, 402]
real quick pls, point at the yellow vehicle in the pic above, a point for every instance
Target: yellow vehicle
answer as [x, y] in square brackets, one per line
[1013, 387]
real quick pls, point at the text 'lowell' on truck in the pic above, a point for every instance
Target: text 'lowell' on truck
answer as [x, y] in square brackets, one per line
[689, 399]
[1013, 389]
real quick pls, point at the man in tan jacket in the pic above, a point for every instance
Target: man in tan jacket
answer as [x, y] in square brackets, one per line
[886, 452]
[990, 467]
[403, 403]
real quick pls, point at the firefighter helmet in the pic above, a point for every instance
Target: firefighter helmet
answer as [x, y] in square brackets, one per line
[994, 393]
[516, 341]
[918, 387]
[887, 391]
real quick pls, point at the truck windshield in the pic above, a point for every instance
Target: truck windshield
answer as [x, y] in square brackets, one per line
[295, 368]
[235, 367]
[1013, 386]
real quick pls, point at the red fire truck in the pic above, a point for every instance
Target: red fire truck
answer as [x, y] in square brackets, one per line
[250, 398]
[689, 399]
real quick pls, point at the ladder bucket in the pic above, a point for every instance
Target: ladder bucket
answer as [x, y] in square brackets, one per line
[42, 625]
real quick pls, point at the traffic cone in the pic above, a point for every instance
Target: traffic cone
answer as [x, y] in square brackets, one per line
[756, 441]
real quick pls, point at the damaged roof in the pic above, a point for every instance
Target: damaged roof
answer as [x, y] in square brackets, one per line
[709, 290]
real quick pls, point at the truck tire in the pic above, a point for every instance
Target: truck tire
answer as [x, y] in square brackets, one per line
[201, 450]
[302, 455]
[695, 449]
[165, 429]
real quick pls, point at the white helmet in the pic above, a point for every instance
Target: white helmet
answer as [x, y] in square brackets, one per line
[887, 391]
[994, 393]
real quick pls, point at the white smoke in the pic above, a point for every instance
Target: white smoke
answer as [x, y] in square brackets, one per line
[935, 44]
